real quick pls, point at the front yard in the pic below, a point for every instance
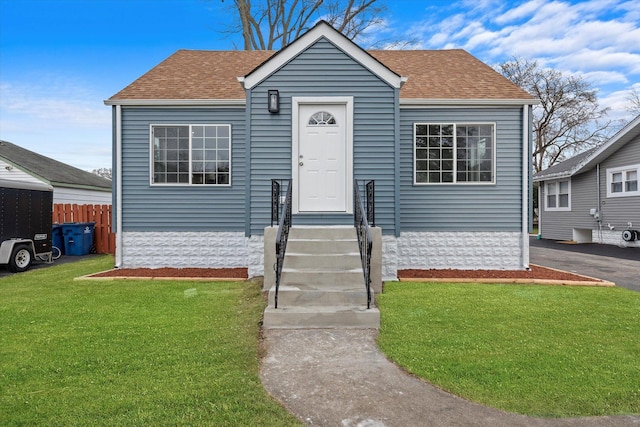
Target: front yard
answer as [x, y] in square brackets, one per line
[130, 352]
[187, 353]
[538, 350]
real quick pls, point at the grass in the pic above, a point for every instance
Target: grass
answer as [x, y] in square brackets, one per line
[130, 353]
[536, 350]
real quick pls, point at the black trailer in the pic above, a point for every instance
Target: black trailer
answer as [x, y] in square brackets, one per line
[25, 229]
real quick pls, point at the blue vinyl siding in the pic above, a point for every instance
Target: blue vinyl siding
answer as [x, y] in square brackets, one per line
[464, 207]
[180, 207]
[323, 70]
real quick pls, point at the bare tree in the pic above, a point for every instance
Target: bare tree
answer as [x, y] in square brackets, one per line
[568, 119]
[103, 172]
[634, 102]
[273, 24]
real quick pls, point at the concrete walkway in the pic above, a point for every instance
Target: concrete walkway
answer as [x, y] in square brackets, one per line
[338, 377]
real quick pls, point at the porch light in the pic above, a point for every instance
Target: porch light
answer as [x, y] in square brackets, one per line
[274, 101]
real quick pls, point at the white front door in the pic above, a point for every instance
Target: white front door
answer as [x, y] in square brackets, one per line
[322, 160]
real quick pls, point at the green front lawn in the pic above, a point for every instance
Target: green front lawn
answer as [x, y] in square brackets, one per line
[537, 350]
[130, 352]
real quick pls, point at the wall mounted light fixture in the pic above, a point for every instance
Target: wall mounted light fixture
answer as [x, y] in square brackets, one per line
[274, 101]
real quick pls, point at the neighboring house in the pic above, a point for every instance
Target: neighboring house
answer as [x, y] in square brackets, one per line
[70, 184]
[594, 196]
[199, 137]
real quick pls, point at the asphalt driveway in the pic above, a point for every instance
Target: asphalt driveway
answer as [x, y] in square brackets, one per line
[608, 262]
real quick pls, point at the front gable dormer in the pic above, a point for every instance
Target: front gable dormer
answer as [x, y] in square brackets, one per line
[322, 30]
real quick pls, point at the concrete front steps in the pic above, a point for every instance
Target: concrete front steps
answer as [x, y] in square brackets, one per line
[322, 284]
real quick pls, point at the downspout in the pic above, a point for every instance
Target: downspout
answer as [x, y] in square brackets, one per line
[526, 160]
[598, 201]
[118, 173]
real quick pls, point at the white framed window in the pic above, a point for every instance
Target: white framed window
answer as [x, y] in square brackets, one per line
[558, 195]
[623, 181]
[454, 153]
[191, 154]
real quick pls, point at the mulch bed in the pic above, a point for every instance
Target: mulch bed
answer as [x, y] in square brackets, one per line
[535, 273]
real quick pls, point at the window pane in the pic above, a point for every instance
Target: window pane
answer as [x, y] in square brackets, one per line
[474, 147]
[421, 177]
[197, 131]
[616, 187]
[421, 129]
[210, 178]
[434, 176]
[551, 201]
[223, 178]
[631, 183]
[223, 132]
[564, 187]
[563, 200]
[551, 188]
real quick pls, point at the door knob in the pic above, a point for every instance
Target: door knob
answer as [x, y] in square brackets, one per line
[301, 163]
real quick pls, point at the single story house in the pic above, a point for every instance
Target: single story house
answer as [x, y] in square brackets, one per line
[198, 139]
[70, 184]
[594, 196]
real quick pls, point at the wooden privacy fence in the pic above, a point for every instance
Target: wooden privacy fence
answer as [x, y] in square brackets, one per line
[103, 239]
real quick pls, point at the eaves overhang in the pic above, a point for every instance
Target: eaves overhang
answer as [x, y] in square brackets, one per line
[234, 103]
[430, 102]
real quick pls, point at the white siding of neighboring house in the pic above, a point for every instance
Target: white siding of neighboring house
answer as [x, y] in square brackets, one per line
[12, 173]
[60, 194]
[81, 197]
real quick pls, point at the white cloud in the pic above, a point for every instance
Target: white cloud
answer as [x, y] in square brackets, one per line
[597, 39]
[58, 119]
[525, 9]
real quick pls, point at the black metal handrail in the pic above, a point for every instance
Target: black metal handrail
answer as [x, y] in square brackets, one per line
[370, 194]
[284, 225]
[275, 202]
[365, 242]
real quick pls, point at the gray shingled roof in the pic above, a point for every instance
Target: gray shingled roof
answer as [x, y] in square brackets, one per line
[590, 158]
[565, 166]
[55, 172]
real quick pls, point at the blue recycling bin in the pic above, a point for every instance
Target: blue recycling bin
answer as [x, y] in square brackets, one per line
[57, 238]
[78, 237]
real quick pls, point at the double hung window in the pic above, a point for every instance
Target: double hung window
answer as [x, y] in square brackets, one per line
[191, 154]
[454, 153]
[558, 195]
[623, 181]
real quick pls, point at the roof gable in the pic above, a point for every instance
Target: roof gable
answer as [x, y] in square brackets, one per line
[52, 171]
[321, 30]
[587, 160]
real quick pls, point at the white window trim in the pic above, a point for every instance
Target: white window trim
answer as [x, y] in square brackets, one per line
[623, 193]
[455, 124]
[546, 192]
[189, 184]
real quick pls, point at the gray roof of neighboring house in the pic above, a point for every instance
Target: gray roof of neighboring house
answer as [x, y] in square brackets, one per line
[52, 171]
[587, 160]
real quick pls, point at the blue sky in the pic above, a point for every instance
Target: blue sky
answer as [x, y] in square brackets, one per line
[59, 59]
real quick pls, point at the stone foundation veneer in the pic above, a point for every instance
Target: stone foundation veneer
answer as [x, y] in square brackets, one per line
[460, 250]
[613, 237]
[413, 250]
[184, 249]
